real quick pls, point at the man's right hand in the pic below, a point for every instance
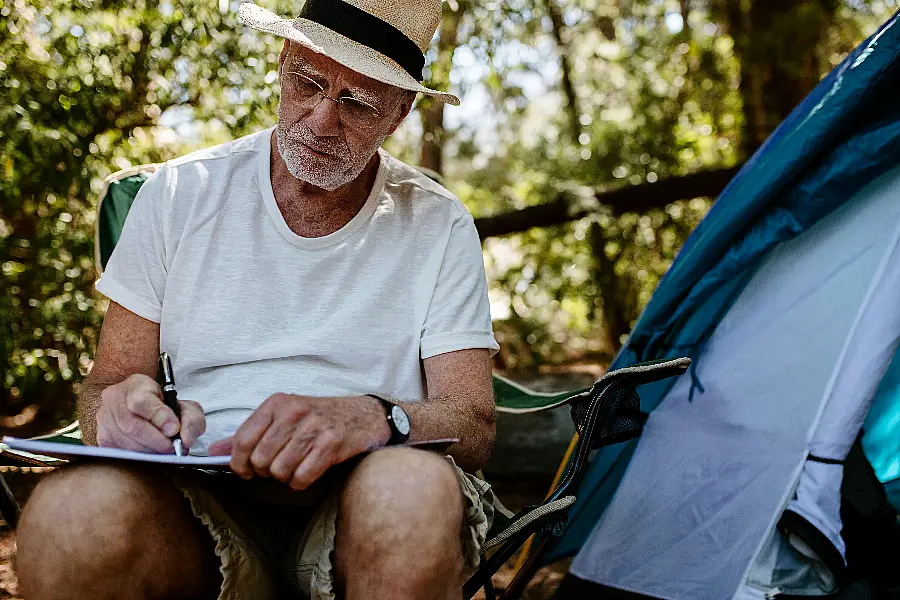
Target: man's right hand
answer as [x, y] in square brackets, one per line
[132, 416]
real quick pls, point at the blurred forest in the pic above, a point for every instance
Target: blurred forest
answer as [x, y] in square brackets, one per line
[593, 137]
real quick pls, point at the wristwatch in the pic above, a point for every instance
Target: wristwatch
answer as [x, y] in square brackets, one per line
[397, 420]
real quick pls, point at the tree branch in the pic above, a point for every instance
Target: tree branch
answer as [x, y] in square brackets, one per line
[635, 198]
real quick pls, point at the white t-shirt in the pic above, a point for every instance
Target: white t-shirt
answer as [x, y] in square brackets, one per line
[247, 308]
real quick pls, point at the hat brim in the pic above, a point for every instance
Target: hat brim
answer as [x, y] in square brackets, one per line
[337, 47]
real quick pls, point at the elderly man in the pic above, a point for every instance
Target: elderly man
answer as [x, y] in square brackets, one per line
[320, 299]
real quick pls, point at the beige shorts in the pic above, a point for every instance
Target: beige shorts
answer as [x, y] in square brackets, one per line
[278, 550]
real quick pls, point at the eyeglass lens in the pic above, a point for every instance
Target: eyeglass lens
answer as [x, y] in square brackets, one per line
[304, 90]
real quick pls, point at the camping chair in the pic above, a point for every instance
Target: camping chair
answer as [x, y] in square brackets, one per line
[606, 413]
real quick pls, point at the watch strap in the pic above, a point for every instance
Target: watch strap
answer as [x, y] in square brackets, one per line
[397, 437]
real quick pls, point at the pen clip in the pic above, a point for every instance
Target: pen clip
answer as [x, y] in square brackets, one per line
[165, 368]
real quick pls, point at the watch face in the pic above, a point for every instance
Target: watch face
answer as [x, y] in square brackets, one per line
[400, 419]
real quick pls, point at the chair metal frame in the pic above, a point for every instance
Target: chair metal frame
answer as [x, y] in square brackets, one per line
[548, 520]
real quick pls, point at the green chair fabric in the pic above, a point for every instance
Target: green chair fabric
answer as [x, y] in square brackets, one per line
[515, 398]
[115, 202]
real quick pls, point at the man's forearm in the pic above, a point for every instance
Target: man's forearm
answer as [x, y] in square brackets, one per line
[88, 405]
[453, 417]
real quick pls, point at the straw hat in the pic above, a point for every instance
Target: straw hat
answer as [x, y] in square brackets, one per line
[383, 39]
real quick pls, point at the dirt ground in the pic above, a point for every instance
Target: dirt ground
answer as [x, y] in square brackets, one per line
[8, 585]
[515, 496]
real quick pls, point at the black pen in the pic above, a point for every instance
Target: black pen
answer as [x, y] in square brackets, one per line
[170, 396]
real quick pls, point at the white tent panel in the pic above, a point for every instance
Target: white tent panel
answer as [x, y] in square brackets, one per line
[863, 362]
[710, 477]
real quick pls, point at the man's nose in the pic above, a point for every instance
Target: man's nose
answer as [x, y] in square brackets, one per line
[325, 120]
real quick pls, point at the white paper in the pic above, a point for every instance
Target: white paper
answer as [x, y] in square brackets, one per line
[67, 451]
[70, 451]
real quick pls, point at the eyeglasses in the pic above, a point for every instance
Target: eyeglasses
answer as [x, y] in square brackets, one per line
[306, 91]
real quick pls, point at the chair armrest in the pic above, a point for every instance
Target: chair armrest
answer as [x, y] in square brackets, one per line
[507, 542]
[638, 374]
[610, 412]
[527, 522]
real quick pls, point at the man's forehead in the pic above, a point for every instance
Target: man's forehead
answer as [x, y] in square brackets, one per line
[309, 62]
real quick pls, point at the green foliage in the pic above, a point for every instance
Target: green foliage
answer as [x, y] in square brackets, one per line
[84, 85]
[657, 95]
[652, 103]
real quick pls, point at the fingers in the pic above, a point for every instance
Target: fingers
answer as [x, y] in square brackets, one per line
[313, 466]
[291, 438]
[131, 433]
[118, 426]
[290, 457]
[245, 440]
[306, 458]
[273, 440]
[148, 406]
[193, 422]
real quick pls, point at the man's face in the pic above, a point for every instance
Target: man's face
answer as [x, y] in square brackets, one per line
[328, 143]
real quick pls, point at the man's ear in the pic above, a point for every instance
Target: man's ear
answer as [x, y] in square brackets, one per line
[404, 108]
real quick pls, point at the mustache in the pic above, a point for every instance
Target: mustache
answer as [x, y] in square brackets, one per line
[300, 133]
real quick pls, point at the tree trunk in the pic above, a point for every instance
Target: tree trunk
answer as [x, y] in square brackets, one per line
[431, 110]
[776, 43]
[615, 300]
[573, 109]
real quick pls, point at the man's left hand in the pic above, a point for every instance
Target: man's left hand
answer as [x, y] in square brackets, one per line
[295, 439]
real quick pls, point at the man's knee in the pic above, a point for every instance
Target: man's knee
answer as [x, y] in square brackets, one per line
[402, 492]
[92, 506]
[399, 525]
[84, 522]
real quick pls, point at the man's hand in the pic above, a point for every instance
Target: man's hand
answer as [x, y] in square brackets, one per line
[296, 438]
[132, 416]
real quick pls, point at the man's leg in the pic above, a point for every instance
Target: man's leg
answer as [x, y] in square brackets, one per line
[398, 532]
[100, 531]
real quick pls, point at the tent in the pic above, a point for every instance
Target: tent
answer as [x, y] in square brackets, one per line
[786, 299]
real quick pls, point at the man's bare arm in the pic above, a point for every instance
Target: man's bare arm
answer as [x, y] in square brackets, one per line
[129, 345]
[460, 404]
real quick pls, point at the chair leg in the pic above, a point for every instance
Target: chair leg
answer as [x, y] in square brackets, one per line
[9, 508]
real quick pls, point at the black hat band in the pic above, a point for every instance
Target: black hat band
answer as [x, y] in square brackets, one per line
[368, 30]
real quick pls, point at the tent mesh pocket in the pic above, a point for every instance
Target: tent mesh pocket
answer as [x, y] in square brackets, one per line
[619, 419]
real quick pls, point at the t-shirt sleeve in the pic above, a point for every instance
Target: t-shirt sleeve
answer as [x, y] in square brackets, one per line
[135, 276]
[459, 315]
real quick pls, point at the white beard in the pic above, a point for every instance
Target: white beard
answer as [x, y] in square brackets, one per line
[329, 172]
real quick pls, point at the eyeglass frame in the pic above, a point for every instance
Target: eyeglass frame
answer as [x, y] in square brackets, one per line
[339, 100]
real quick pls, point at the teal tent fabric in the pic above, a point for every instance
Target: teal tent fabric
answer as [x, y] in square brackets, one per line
[842, 136]
[881, 442]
